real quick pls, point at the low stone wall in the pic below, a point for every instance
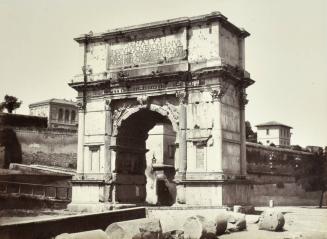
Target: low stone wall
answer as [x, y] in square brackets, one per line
[46, 229]
[284, 194]
[282, 175]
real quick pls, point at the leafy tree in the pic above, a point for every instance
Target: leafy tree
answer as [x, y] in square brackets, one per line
[312, 173]
[10, 103]
[251, 136]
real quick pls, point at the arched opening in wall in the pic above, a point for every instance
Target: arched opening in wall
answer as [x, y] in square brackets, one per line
[145, 159]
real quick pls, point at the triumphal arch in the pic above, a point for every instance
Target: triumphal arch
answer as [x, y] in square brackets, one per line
[184, 76]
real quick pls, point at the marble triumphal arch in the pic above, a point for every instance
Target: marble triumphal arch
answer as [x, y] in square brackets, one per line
[161, 117]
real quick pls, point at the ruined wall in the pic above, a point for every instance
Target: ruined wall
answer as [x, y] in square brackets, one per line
[48, 147]
[39, 146]
[275, 161]
[15, 120]
[281, 175]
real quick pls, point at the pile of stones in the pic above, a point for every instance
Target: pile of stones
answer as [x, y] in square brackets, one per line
[194, 227]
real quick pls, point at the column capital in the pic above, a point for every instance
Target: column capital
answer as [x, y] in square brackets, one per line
[181, 96]
[107, 105]
[80, 106]
[219, 91]
[243, 98]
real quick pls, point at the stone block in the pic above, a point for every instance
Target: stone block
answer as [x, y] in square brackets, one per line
[236, 222]
[271, 220]
[94, 234]
[139, 228]
[221, 223]
[197, 227]
[175, 234]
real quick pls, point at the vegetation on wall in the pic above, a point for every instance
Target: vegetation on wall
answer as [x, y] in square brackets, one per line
[10, 103]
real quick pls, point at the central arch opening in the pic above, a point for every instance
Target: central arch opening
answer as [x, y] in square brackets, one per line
[145, 159]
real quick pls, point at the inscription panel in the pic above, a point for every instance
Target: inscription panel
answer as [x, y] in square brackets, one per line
[154, 50]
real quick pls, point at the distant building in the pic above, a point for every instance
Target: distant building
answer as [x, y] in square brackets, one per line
[274, 133]
[61, 113]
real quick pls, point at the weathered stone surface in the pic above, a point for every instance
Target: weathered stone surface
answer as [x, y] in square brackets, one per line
[199, 227]
[94, 234]
[236, 222]
[271, 220]
[244, 209]
[139, 228]
[221, 223]
[176, 234]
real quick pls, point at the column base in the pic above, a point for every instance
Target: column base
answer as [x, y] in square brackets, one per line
[213, 192]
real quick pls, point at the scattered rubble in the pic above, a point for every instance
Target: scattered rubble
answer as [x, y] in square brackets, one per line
[271, 220]
[197, 227]
[136, 229]
[236, 222]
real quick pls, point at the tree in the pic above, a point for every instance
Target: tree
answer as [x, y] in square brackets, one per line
[251, 136]
[10, 103]
[311, 172]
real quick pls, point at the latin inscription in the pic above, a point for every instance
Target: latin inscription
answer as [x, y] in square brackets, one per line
[156, 50]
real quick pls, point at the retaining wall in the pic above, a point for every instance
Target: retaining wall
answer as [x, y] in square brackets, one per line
[46, 229]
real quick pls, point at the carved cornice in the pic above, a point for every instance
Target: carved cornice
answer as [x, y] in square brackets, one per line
[219, 91]
[172, 24]
[225, 72]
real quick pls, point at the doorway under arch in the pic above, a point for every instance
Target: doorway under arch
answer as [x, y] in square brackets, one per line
[145, 164]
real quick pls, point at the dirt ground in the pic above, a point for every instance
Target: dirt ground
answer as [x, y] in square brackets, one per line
[297, 220]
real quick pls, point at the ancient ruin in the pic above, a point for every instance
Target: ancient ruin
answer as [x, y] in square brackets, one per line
[185, 75]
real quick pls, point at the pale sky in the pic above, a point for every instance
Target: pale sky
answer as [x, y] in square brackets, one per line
[286, 53]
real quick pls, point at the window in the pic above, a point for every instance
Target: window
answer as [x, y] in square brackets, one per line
[66, 115]
[60, 115]
[73, 116]
[267, 131]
